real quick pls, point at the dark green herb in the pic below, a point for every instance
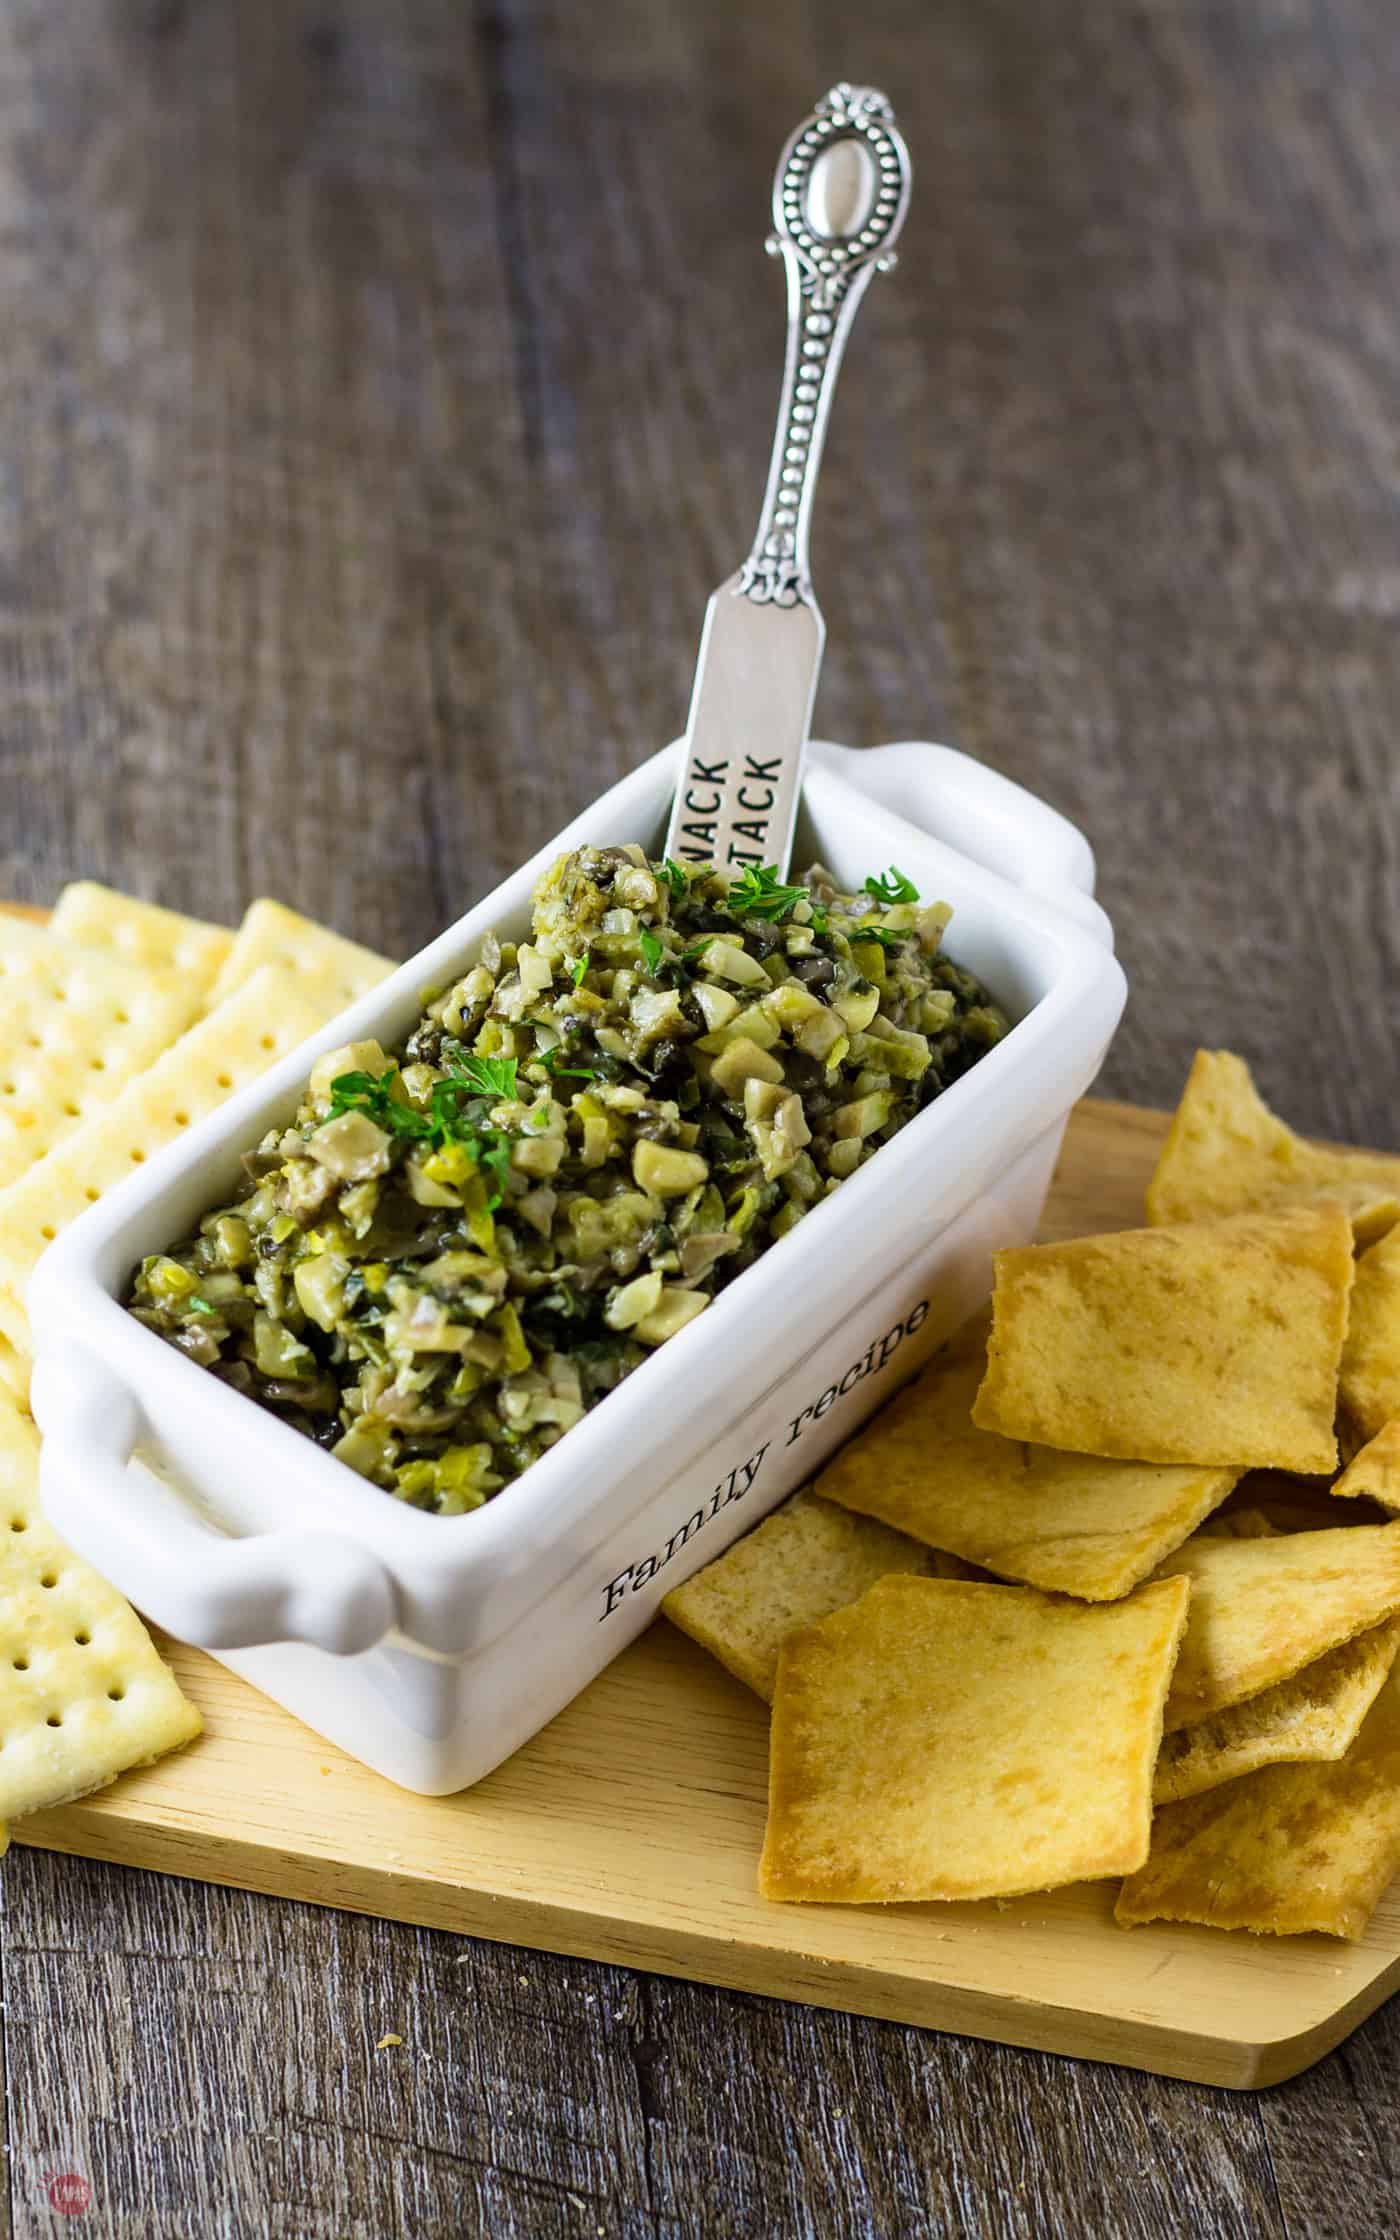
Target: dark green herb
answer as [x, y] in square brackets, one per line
[891, 887]
[673, 878]
[652, 949]
[445, 1121]
[370, 1093]
[758, 892]
[489, 1077]
[553, 1062]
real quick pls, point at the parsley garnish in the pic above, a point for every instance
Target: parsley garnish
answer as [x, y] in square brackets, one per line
[673, 877]
[758, 892]
[578, 971]
[885, 935]
[493, 1153]
[200, 1306]
[652, 949]
[551, 1059]
[370, 1093]
[891, 887]
[489, 1077]
[446, 1120]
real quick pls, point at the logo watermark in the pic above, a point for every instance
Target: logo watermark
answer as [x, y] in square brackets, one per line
[68, 2191]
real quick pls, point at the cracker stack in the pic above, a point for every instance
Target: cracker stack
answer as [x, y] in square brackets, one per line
[121, 1024]
[1135, 1680]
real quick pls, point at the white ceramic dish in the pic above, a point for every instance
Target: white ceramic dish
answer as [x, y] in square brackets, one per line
[432, 1647]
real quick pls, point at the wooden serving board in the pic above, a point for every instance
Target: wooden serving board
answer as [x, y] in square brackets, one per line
[629, 1831]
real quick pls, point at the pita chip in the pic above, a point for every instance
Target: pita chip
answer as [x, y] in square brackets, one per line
[1374, 1473]
[1292, 1849]
[1228, 1153]
[1370, 1387]
[1067, 1523]
[1217, 1343]
[804, 1561]
[941, 1739]
[1262, 1609]
[1316, 1714]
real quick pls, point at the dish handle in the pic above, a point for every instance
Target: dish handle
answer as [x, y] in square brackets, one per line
[198, 1583]
[985, 816]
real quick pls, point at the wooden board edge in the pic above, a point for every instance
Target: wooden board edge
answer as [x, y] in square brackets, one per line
[1227, 2061]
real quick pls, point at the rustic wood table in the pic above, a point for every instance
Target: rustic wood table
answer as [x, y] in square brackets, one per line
[382, 389]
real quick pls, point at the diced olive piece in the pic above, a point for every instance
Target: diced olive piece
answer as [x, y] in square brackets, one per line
[863, 1117]
[726, 960]
[221, 1287]
[637, 888]
[465, 1478]
[319, 1284]
[664, 1172]
[675, 1309]
[752, 1025]
[891, 1052]
[536, 971]
[460, 1271]
[350, 1147]
[537, 1207]
[365, 1446]
[931, 924]
[761, 1099]
[742, 1062]
[819, 1034]
[351, 1057]
[778, 1125]
[278, 1352]
[168, 1282]
[938, 1010]
[792, 1005]
[634, 1301]
[790, 1130]
[701, 1250]
[232, 1240]
[597, 1141]
[869, 959]
[984, 1023]
[844, 1157]
[421, 1324]
[515, 1352]
[424, 1191]
[657, 1011]
[857, 1007]
[540, 1155]
[454, 1166]
[717, 1005]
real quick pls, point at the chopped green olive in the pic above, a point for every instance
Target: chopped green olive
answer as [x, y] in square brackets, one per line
[461, 1246]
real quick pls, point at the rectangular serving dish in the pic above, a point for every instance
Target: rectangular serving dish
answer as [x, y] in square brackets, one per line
[429, 1647]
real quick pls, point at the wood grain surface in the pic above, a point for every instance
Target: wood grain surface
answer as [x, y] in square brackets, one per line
[383, 385]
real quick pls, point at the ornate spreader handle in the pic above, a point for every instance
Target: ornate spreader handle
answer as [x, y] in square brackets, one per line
[839, 199]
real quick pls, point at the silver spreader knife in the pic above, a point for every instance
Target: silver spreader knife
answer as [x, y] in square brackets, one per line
[839, 198]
